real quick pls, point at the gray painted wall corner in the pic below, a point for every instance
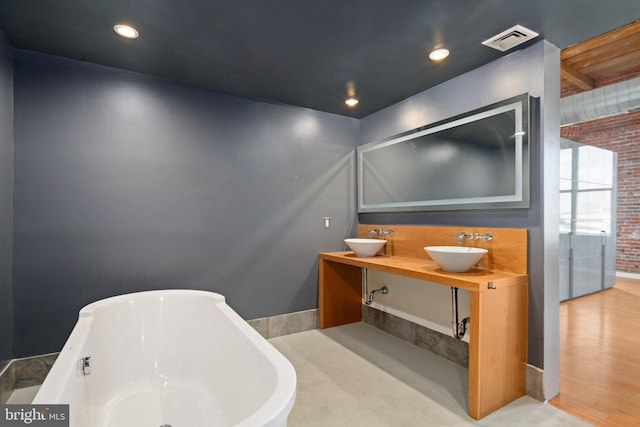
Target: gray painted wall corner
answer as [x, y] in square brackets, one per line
[6, 202]
[551, 215]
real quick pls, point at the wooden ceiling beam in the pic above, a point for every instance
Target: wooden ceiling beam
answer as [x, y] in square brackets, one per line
[576, 77]
[620, 64]
[610, 37]
[603, 53]
[614, 53]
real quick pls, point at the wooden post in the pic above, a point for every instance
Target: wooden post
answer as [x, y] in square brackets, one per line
[340, 293]
[497, 348]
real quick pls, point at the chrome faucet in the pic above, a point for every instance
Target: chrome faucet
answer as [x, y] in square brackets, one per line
[376, 232]
[471, 236]
[85, 365]
[485, 236]
[461, 236]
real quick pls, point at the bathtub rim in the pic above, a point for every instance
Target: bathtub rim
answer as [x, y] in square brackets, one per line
[273, 412]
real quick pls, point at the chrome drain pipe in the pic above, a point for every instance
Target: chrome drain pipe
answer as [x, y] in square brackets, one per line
[366, 295]
[369, 299]
[459, 328]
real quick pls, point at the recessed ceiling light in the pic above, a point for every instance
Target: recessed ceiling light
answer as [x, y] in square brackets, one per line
[126, 31]
[438, 54]
[351, 102]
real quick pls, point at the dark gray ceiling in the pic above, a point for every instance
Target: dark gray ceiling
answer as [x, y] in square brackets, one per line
[300, 52]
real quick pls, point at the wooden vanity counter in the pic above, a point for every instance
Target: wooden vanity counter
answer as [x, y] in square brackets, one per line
[476, 280]
[498, 300]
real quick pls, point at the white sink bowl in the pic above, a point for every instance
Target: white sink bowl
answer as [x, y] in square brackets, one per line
[365, 247]
[455, 259]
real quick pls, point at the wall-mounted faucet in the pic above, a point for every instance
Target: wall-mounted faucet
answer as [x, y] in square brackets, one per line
[485, 236]
[471, 236]
[377, 232]
[460, 236]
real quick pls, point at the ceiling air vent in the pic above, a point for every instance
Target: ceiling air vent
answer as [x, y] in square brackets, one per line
[510, 38]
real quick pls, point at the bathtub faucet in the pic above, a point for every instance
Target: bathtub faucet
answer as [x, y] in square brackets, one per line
[85, 365]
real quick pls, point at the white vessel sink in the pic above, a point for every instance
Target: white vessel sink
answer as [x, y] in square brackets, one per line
[455, 259]
[365, 247]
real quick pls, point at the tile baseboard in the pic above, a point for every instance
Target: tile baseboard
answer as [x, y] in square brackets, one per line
[445, 346]
[25, 372]
[533, 386]
[7, 382]
[285, 324]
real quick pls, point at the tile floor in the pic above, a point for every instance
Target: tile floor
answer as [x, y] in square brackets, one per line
[23, 395]
[357, 375]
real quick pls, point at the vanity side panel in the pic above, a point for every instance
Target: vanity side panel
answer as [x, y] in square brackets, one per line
[497, 348]
[340, 293]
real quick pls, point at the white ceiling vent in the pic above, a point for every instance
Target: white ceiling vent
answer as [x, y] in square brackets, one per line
[510, 38]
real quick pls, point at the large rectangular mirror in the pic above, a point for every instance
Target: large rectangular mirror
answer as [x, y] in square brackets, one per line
[477, 160]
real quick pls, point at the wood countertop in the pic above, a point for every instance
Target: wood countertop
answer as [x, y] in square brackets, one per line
[475, 280]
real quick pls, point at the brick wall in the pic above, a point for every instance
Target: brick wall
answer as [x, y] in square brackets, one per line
[620, 134]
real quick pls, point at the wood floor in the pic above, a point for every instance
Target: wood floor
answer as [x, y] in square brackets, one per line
[600, 356]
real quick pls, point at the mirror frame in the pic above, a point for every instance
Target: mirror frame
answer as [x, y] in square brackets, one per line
[521, 104]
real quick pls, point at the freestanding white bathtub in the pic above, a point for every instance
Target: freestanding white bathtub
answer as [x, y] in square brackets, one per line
[179, 358]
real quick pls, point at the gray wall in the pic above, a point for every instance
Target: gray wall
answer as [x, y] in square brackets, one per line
[529, 70]
[6, 201]
[126, 183]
